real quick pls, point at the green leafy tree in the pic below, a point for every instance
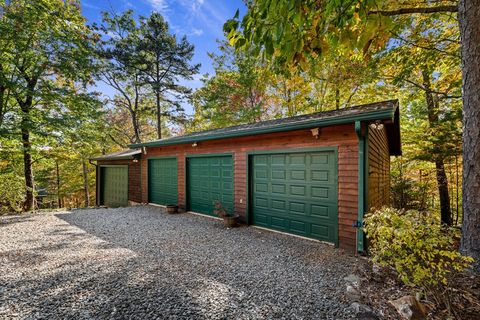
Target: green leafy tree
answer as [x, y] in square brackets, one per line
[46, 46]
[164, 62]
[120, 69]
[235, 94]
[423, 58]
[293, 34]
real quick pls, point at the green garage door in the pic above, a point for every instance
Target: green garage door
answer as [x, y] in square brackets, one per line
[114, 189]
[296, 193]
[209, 179]
[163, 181]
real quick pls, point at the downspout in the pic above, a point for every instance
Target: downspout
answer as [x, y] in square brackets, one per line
[361, 185]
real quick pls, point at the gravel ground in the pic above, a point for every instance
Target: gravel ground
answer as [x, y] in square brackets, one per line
[140, 263]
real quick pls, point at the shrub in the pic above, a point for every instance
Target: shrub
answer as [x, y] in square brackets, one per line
[221, 211]
[417, 246]
[12, 193]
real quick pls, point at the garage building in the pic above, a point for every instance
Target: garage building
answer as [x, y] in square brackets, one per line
[312, 175]
[118, 178]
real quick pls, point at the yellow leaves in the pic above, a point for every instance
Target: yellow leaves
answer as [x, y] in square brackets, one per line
[356, 16]
[415, 245]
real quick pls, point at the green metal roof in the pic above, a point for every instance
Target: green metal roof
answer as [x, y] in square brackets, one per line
[120, 155]
[385, 110]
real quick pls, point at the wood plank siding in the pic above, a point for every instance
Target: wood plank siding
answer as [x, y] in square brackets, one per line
[378, 169]
[134, 177]
[342, 136]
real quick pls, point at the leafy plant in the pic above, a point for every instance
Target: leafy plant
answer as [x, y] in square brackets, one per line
[221, 211]
[11, 193]
[421, 250]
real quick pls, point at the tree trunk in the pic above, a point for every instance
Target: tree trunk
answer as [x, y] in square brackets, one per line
[59, 200]
[157, 96]
[85, 183]
[442, 181]
[456, 190]
[27, 159]
[468, 16]
[3, 103]
[159, 117]
[337, 98]
[136, 126]
[26, 124]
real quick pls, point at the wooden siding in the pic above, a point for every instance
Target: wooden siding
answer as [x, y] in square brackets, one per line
[378, 169]
[343, 137]
[134, 177]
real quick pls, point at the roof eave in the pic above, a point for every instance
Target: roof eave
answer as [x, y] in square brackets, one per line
[113, 158]
[130, 156]
[367, 116]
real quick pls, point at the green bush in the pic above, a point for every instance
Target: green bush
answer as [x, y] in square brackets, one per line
[416, 245]
[12, 193]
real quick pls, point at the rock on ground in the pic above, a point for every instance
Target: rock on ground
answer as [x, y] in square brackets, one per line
[140, 263]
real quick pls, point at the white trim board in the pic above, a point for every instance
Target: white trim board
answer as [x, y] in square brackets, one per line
[293, 235]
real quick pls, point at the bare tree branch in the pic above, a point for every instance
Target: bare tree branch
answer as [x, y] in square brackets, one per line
[401, 11]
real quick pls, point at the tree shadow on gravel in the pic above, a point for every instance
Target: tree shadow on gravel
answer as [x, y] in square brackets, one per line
[6, 220]
[185, 266]
[110, 293]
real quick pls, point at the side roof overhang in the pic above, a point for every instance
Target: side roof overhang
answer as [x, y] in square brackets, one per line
[120, 155]
[387, 111]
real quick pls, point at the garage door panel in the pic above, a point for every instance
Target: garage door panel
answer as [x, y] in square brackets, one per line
[278, 174]
[297, 175]
[322, 231]
[321, 211]
[306, 202]
[319, 159]
[227, 174]
[278, 204]
[261, 173]
[298, 226]
[209, 179]
[227, 185]
[297, 208]
[261, 187]
[297, 159]
[163, 181]
[278, 160]
[298, 190]
[260, 160]
[278, 222]
[321, 175]
[261, 202]
[276, 188]
[115, 186]
[324, 193]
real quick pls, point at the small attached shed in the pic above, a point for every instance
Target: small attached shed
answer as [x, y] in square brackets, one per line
[118, 180]
[313, 175]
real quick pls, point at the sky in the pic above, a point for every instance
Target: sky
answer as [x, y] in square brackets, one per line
[200, 20]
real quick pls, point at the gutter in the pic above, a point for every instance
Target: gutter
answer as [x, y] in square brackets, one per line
[362, 155]
[112, 159]
[305, 124]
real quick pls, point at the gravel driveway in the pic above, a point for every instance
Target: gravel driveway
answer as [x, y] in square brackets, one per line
[140, 263]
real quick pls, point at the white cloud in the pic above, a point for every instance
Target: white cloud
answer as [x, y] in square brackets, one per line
[90, 6]
[197, 32]
[158, 5]
[128, 4]
[195, 13]
[195, 5]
